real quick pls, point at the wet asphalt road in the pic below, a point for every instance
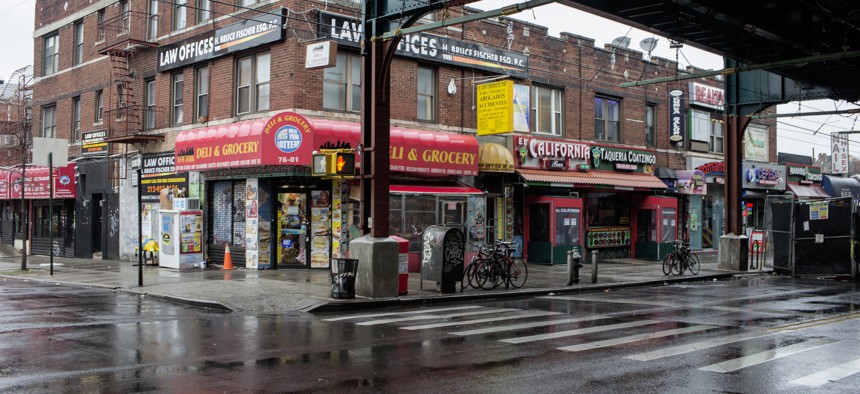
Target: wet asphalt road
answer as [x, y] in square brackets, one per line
[750, 335]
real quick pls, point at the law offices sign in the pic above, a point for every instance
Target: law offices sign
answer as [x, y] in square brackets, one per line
[263, 29]
[348, 31]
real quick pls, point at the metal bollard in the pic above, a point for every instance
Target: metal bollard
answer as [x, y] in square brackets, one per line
[594, 266]
[573, 266]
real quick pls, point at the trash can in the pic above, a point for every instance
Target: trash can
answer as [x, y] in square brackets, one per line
[442, 258]
[343, 278]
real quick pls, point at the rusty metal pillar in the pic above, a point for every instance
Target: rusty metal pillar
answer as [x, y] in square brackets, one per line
[734, 172]
[375, 135]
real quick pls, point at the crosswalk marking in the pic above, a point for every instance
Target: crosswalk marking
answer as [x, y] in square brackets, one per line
[514, 327]
[682, 349]
[763, 357]
[580, 331]
[634, 338]
[429, 317]
[828, 375]
[478, 321]
[422, 311]
[681, 305]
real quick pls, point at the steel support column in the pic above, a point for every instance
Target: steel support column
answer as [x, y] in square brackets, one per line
[734, 156]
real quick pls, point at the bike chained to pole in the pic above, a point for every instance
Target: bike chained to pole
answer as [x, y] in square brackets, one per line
[680, 259]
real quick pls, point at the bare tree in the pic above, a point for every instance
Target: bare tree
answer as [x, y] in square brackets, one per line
[16, 119]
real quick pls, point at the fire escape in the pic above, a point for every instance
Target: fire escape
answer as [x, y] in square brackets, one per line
[128, 121]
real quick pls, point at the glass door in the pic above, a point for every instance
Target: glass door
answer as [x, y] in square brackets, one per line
[292, 223]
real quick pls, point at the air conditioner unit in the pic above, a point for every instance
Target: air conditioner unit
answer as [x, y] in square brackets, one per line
[186, 203]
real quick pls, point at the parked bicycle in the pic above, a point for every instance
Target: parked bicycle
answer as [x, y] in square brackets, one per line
[494, 265]
[680, 259]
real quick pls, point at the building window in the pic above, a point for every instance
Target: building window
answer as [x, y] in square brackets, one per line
[252, 87]
[607, 115]
[342, 84]
[716, 142]
[204, 10]
[99, 106]
[76, 118]
[78, 57]
[201, 93]
[49, 121]
[101, 21]
[649, 125]
[176, 98]
[149, 104]
[152, 25]
[546, 110]
[124, 14]
[51, 52]
[426, 93]
[179, 14]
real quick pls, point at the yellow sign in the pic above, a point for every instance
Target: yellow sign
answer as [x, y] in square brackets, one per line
[496, 108]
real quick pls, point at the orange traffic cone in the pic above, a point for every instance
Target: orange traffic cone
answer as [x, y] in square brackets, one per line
[228, 260]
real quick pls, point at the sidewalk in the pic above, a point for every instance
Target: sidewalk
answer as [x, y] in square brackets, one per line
[281, 291]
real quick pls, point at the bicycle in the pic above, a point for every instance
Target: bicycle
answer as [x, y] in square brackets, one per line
[470, 274]
[501, 268]
[680, 259]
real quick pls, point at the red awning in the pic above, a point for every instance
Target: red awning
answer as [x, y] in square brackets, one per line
[456, 189]
[36, 184]
[808, 191]
[593, 178]
[289, 139]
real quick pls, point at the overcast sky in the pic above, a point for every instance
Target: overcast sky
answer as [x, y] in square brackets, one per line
[795, 135]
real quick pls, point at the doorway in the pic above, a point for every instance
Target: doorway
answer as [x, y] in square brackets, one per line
[292, 229]
[97, 229]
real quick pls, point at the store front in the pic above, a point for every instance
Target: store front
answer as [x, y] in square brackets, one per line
[805, 182]
[759, 180]
[265, 204]
[496, 176]
[7, 213]
[713, 202]
[691, 185]
[43, 222]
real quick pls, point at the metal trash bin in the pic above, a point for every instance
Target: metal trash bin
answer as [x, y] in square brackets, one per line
[343, 278]
[442, 257]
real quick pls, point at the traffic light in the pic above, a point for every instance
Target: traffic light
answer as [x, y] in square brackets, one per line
[320, 164]
[344, 163]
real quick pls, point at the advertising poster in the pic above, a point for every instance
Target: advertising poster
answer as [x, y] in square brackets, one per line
[756, 143]
[252, 223]
[321, 227]
[337, 220]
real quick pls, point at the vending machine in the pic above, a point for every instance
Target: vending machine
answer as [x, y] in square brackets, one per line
[181, 237]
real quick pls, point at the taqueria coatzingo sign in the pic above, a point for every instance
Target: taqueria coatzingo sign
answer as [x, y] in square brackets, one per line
[262, 29]
[612, 159]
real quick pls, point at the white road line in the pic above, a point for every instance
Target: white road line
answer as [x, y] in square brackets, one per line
[763, 357]
[682, 349]
[478, 321]
[634, 338]
[828, 375]
[430, 317]
[680, 305]
[349, 317]
[579, 331]
[526, 325]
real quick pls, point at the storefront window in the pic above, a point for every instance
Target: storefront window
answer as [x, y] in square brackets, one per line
[608, 209]
[669, 225]
[419, 213]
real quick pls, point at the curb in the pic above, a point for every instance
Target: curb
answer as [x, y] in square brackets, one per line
[346, 306]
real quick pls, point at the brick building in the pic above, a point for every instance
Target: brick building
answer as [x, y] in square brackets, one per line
[216, 102]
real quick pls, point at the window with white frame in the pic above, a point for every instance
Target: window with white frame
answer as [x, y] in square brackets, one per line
[426, 93]
[176, 110]
[700, 126]
[99, 106]
[49, 121]
[716, 144]
[152, 22]
[124, 14]
[76, 119]
[100, 19]
[180, 14]
[78, 56]
[245, 3]
[546, 110]
[252, 83]
[201, 94]
[149, 104]
[650, 111]
[51, 54]
[607, 119]
[204, 10]
[342, 84]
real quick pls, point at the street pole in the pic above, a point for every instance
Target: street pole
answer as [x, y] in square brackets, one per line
[24, 211]
[139, 231]
[51, 208]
